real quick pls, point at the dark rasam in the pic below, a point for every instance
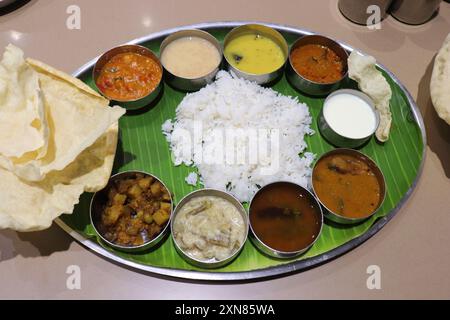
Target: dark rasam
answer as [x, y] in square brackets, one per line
[285, 217]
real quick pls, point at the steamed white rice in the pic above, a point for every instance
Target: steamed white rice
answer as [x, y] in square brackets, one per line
[228, 105]
[191, 179]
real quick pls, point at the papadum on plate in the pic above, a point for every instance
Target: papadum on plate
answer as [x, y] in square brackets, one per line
[64, 146]
[362, 69]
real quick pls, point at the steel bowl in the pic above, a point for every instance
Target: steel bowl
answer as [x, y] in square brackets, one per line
[217, 193]
[267, 32]
[308, 86]
[134, 103]
[340, 140]
[190, 84]
[335, 217]
[266, 249]
[98, 202]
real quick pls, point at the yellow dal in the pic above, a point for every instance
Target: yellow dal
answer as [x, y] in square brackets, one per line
[254, 54]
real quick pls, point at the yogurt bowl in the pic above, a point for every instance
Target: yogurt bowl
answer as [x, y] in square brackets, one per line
[348, 118]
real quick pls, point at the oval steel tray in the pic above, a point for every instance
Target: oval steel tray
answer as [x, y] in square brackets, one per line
[408, 110]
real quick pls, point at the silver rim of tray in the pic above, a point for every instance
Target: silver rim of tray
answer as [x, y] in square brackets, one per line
[283, 269]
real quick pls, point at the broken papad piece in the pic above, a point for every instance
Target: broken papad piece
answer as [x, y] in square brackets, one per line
[371, 81]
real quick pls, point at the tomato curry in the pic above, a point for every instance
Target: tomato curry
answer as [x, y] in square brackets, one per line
[129, 76]
[317, 63]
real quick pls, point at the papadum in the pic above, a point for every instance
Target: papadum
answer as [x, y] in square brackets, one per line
[77, 116]
[22, 112]
[440, 82]
[32, 206]
[362, 69]
[74, 137]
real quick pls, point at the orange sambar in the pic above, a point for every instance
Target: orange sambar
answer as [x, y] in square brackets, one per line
[347, 185]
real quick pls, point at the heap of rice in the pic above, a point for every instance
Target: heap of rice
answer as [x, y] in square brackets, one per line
[228, 105]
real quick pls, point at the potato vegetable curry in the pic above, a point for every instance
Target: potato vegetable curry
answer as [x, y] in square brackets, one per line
[347, 185]
[137, 210]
